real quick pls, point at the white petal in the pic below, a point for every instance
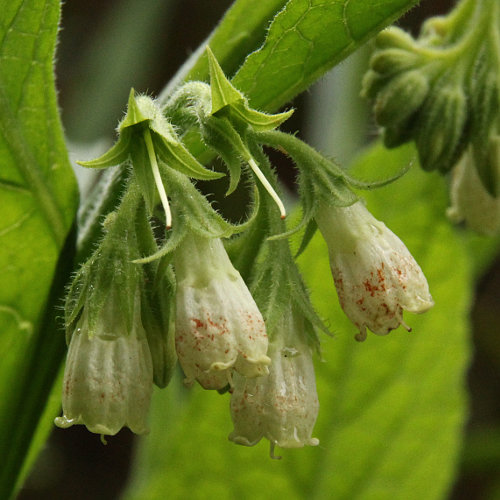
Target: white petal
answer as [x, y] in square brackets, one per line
[470, 202]
[375, 275]
[108, 382]
[218, 324]
[281, 407]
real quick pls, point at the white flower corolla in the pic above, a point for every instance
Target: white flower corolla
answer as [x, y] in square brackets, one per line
[470, 202]
[375, 275]
[108, 378]
[283, 406]
[218, 327]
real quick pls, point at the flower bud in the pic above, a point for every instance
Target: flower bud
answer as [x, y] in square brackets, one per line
[470, 202]
[401, 97]
[218, 325]
[373, 83]
[108, 379]
[439, 137]
[374, 273]
[283, 406]
[391, 61]
[394, 37]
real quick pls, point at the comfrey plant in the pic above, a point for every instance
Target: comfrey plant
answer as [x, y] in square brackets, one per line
[243, 324]
[442, 91]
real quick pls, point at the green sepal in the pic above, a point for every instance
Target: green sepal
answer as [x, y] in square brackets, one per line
[309, 232]
[108, 282]
[326, 179]
[174, 238]
[157, 304]
[159, 323]
[139, 110]
[276, 284]
[225, 96]
[194, 210]
[233, 163]
[257, 120]
[117, 154]
[75, 298]
[394, 136]
[219, 134]
[369, 185]
[489, 169]
[222, 90]
[372, 84]
[391, 61]
[172, 152]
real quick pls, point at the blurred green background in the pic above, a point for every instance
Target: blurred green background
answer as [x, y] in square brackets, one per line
[104, 49]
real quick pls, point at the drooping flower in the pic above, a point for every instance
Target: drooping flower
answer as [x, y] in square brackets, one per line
[283, 406]
[218, 325]
[470, 202]
[108, 379]
[375, 275]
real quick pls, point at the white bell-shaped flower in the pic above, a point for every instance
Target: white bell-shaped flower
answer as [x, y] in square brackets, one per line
[218, 327]
[470, 202]
[283, 406]
[375, 275]
[108, 379]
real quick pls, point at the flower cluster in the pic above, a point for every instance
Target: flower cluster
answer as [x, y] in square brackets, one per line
[226, 300]
[442, 91]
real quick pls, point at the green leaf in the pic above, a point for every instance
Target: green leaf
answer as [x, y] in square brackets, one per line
[38, 197]
[305, 40]
[391, 409]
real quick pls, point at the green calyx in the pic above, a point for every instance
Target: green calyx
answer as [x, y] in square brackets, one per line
[442, 89]
[108, 280]
[226, 99]
[149, 142]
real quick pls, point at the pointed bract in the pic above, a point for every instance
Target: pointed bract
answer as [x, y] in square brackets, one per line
[223, 91]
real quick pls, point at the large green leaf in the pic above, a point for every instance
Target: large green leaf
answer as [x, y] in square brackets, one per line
[38, 199]
[392, 408]
[306, 39]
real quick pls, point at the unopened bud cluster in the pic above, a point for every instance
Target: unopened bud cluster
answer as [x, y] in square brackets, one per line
[225, 300]
[441, 90]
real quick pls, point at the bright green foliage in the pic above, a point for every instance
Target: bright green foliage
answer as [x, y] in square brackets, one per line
[391, 408]
[306, 39]
[38, 194]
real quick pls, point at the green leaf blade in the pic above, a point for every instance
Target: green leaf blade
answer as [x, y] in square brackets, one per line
[306, 39]
[38, 199]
